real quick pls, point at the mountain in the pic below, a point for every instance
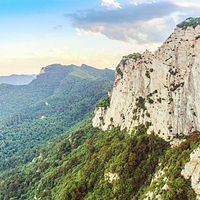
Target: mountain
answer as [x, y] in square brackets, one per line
[50, 80]
[143, 141]
[17, 79]
[161, 89]
[59, 98]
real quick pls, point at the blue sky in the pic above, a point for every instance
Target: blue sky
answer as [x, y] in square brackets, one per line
[95, 32]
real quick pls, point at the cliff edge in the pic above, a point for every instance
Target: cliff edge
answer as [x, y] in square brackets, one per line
[160, 90]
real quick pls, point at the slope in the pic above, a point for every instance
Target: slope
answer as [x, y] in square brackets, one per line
[92, 164]
[62, 97]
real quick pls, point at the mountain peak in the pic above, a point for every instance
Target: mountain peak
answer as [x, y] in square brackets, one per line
[50, 67]
[159, 90]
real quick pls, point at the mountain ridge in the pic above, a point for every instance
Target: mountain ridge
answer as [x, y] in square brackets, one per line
[58, 99]
[43, 86]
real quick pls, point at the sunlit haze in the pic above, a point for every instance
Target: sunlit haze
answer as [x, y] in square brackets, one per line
[37, 33]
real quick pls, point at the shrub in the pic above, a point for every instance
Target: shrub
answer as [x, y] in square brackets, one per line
[147, 74]
[151, 70]
[105, 102]
[147, 114]
[170, 99]
[190, 22]
[197, 37]
[119, 71]
[140, 103]
[159, 100]
[150, 101]
[135, 56]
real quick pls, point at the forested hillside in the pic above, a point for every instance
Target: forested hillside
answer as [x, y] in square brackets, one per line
[92, 164]
[51, 151]
[58, 99]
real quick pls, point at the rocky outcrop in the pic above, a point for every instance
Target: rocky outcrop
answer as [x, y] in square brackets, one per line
[161, 90]
[192, 171]
[111, 177]
[159, 175]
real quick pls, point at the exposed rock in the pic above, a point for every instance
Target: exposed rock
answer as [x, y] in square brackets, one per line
[98, 120]
[149, 196]
[46, 103]
[43, 117]
[158, 197]
[35, 198]
[192, 171]
[165, 187]
[158, 176]
[42, 71]
[161, 88]
[176, 142]
[111, 177]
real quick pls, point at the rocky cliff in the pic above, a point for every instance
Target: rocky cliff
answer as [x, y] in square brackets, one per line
[159, 90]
[192, 171]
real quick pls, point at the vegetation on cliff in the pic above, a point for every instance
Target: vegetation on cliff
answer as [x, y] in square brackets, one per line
[190, 22]
[105, 102]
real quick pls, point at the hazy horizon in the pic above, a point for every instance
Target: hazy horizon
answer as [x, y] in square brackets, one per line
[36, 33]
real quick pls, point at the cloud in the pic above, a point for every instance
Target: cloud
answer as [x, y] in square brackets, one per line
[146, 22]
[110, 3]
[128, 14]
[136, 2]
[128, 23]
[191, 3]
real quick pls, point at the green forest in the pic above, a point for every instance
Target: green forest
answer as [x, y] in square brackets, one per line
[50, 106]
[49, 149]
[75, 167]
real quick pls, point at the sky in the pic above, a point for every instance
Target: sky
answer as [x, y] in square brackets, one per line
[37, 33]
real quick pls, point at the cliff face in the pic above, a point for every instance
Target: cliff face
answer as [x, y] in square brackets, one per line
[161, 90]
[192, 171]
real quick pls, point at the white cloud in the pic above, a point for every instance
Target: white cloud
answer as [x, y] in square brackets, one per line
[110, 3]
[137, 2]
[145, 23]
[154, 30]
[81, 32]
[187, 4]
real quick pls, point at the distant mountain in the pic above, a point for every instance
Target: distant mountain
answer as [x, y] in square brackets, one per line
[52, 80]
[17, 79]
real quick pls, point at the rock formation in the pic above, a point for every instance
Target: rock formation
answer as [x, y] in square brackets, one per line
[160, 90]
[192, 171]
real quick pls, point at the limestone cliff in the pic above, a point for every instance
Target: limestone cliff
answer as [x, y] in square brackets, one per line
[161, 90]
[192, 171]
